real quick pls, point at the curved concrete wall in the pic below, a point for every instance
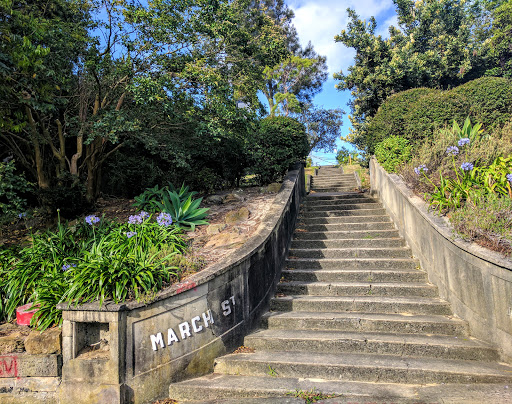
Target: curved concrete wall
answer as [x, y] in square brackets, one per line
[476, 281]
[180, 333]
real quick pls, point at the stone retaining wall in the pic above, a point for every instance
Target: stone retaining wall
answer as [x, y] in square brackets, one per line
[145, 347]
[476, 281]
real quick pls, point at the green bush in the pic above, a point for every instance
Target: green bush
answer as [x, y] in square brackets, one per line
[280, 142]
[417, 114]
[393, 152]
[391, 116]
[13, 190]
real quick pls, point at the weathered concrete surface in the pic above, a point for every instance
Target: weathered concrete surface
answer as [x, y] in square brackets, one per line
[477, 282]
[180, 333]
[47, 342]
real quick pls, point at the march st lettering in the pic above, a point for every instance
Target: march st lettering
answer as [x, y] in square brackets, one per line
[186, 329]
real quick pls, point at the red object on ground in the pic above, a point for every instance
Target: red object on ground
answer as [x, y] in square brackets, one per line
[25, 313]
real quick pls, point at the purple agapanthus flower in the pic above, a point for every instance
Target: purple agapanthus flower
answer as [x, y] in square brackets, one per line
[164, 219]
[509, 177]
[453, 150]
[91, 219]
[464, 141]
[66, 267]
[143, 214]
[135, 219]
[421, 168]
[130, 234]
[466, 166]
[22, 215]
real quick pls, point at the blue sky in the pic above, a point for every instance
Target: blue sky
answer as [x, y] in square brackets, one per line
[319, 21]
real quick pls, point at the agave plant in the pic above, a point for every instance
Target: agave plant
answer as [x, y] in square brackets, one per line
[185, 214]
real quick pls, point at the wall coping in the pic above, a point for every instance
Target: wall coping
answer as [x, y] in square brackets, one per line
[442, 225]
[268, 224]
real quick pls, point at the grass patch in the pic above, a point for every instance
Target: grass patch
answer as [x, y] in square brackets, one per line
[311, 396]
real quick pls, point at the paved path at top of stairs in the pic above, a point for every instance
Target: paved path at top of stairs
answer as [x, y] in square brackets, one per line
[354, 316]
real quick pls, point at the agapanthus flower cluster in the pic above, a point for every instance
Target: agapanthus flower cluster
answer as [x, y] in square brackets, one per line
[143, 214]
[453, 150]
[466, 167]
[22, 215]
[91, 219]
[464, 141]
[164, 219]
[130, 234]
[509, 178]
[66, 267]
[135, 219]
[421, 168]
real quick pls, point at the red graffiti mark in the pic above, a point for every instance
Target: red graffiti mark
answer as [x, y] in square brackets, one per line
[8, 366]
[182, 287]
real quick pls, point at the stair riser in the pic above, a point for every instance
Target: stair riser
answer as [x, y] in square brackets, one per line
[342, 226]
[355, 306]
[351, 264]
[352, 372]
[350, 253]
[316, 198]
[312, 202]
[362, 345]
[365, 325]
[353, 276]
[374, 290]
[335, 208]
[331, 184]
[344, 212]
[347, 235]
[334, 189]
[361, 243]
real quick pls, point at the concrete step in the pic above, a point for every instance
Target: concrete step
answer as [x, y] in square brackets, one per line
[335, 224]
[365, 304]
[346, 275]
[343, 212]
[334, 208]
[347, 243]
[366, 322]
[352, 263]
[400, 252]
[363, 367]
[356, 289]
[337, 342]
[330, 183]
[310, 202]
[334, 189]
[353, 219]
[346, 235]
[318, 197]
[220, 388]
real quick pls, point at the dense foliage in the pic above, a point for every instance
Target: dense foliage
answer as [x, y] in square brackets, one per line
[393, 152]
[438, 44]
[95, 259]
[280, 142]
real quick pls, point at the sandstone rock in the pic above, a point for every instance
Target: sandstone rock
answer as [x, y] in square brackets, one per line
[47, 342]
[214, 199]
[237, 216]
[10, 342]
[215, 228]
[274, 187]
[226, 240]
[7, 328]
[232, 198]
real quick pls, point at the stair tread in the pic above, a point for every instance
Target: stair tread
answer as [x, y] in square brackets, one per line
[333, 335]
[366, 298]
[359, 284]
[368, 360]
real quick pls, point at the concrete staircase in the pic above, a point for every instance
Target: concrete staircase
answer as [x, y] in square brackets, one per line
[331, 179]
[355, 316]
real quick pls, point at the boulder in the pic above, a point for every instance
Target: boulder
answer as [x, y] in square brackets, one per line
[226, 240]
[233, 198]
[274, 187]
[46, 342]
[237, 216]
[214, 199]
[215, 228]
[10, 343]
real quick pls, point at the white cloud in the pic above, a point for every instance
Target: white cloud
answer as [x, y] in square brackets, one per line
[319, 21]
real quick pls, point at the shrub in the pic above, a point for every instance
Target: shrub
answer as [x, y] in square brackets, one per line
[391, 116]
[393, 152]
[13, 190]
[280, 142]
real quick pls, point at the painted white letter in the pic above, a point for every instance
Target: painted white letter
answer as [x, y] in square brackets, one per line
[226, 307]
[157, 339]
[171, 337]
[208, 318]
[232, 298]
[184, 330]
[195, 327]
